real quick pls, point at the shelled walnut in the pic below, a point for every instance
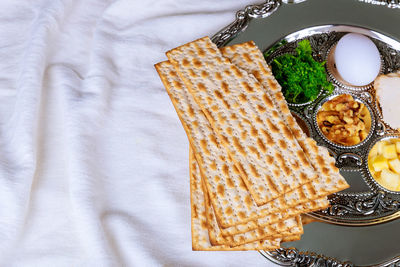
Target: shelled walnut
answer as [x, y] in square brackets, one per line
[344, 121]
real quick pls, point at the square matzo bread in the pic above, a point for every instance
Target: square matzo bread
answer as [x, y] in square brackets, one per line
[219, 172]
[199, 226]
[268, 157]
[287, 227]
[230, 198]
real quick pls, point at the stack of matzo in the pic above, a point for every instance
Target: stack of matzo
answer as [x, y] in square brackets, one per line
[252, 170]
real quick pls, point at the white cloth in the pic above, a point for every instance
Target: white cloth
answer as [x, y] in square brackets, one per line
[93, 159]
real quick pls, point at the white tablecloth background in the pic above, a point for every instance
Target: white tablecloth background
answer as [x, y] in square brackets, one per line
[93, 159]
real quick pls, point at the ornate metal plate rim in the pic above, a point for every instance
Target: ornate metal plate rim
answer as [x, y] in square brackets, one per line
[225, 35]
[294, 257]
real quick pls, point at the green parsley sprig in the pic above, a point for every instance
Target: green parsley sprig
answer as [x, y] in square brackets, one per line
[300, 76]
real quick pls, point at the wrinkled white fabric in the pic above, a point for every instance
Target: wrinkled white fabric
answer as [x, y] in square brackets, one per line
[93, 159]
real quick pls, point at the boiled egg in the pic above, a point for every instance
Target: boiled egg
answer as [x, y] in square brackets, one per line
[357, 59]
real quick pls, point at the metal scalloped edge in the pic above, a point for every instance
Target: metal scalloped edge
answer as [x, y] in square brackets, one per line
[361, 206]
[292, 256]
[242, 20]
[388, 3]
[337, 93]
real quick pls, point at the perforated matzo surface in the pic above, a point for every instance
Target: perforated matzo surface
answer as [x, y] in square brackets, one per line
[200, 235]
[244, 117]
[248, 57]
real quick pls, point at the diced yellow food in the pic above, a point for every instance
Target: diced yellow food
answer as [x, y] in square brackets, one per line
[379, 163]
[398, 146]
[390, 180]
[379, 146]
[389, 151]
[374, 151]
[394, 165]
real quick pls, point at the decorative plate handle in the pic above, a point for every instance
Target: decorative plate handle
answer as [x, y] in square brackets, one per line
[242, 20]
[264, 10]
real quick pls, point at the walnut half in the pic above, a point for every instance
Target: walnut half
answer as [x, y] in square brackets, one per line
[344, 121]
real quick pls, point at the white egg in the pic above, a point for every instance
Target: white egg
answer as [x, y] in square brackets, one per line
[357, 59]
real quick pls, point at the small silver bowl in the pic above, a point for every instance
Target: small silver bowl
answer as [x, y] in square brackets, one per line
[335, 77]
[331, 143]
[366, 173]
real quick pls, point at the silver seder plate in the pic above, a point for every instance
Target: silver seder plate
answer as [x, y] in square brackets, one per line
[365, 204]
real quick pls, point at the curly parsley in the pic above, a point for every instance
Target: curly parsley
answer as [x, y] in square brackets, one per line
[300, 76]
